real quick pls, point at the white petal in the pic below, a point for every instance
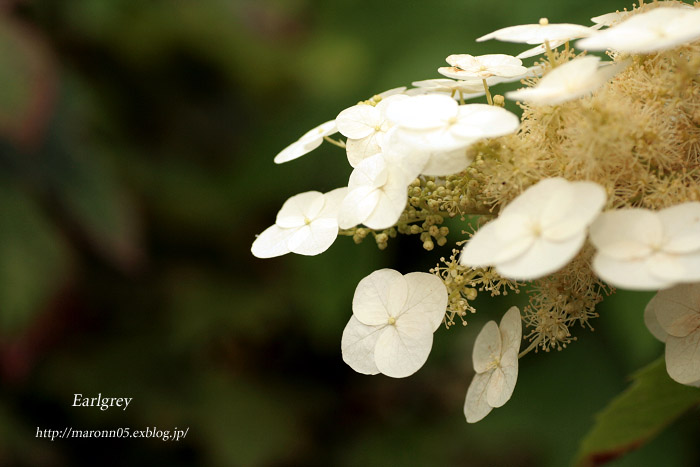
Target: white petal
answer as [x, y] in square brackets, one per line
[568, 215]
[404, 347]
[627, 274]
[307, 143]
[300, 208]
[443, 163]
[502, 383]
[372, 171]
[427, 296]
[651, 320]
[315, 238]
[272, 242]
[392, 200]
[543, 258]
[681, 225]
[475, 405]
[357, 345]
[511, 329]
[376, 296]
[533, 201]
[358, 121]
[498, 241]
[334, 199]
[677, 310]
[537, 34]
[487, 347]
[422, 112]
[357, 206]
[484, 121]
[626, 234]
[360, 149]
[683, 358]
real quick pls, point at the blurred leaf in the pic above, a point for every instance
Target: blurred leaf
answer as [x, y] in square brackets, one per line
[651, 403]
[90, 191]
[27, 78]
[33, 259]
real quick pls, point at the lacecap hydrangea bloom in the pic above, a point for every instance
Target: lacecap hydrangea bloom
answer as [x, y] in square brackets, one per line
[594, 186]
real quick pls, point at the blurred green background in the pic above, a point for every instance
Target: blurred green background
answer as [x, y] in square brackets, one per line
[137, 139]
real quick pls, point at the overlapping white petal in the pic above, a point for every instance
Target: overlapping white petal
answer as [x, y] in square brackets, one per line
[394, 318]
[572, 80]
[436, 123]
[538, 33]
[640, 249]
[465, 89]
[465, 66]
[648, 32]
[539, 231]
[364, 125]
[673, 317]
[495, 359]
[307, 224]
[307, 143]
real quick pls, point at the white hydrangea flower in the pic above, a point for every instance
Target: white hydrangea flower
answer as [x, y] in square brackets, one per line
[673, 317]
[468, 89]
[465, 66]
[307, 143]
[394, 318]
[538, 33]
[435, 122]
[364, 125]
[539, 231]
[495, 361]
[610, 19]
[640, 249]
[542, 48]
[307, 224]
[572, 80]
[648, 32]
[377, 193]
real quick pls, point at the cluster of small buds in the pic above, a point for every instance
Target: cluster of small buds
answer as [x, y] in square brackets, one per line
[464, 283]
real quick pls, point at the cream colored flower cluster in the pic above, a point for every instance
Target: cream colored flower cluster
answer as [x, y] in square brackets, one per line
[595, 186]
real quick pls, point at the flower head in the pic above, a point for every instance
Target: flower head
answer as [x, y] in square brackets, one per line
[539, 231]
[465, 66]
[495, 359]
[673, 316]
[641, 249]
[538, 33]
[572, 80]
[394, 318]
[307, 143]
[307, 225]
[648, 32]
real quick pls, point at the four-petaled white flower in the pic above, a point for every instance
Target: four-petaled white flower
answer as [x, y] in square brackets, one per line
[465, 89]
[394, 318]
[465, 66]
[538, 33]
[377, 193]
[673, 317]
[307, 143]
[648, 32]
[495, 359]
[307, 225]
[364, 125]
[539, 231]
[435, 122]
[572, 80]
[640, 249]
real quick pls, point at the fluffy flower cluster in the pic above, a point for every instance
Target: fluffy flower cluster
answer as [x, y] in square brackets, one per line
[597, 185]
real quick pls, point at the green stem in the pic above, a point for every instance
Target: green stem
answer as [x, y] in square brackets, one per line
[340, 144]
[488, 94]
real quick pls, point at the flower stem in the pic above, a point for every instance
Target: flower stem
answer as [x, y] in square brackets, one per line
[550, 54]
[488, 94]
[340, 144]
